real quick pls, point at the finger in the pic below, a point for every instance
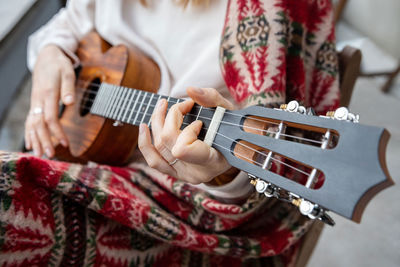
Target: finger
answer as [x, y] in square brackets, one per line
[28, 142]
[157, 125]
[43, 135]
[37, 150]
[150, 154]
[32, 120]
[189, 148]
[68, 85]
[158, 117]
[209, 97]
[51, 119]
[173, 122]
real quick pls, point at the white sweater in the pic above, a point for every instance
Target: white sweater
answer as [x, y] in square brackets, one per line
[183, 42]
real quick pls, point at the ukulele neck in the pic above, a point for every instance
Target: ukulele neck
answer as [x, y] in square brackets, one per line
[134, 107]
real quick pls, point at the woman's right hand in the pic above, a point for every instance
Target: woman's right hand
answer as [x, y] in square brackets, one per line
[53, 78]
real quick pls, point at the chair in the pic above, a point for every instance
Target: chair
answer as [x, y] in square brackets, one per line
[349, 67]
[391, 75]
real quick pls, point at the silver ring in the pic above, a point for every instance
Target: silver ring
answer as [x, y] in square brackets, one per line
[37, 111]
[173, 162]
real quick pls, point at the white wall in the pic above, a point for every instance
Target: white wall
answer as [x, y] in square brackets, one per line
[378, 19]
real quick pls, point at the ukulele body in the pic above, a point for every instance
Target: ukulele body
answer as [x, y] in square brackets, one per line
[93, 137]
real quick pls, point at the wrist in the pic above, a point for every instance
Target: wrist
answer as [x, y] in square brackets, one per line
[55, 51]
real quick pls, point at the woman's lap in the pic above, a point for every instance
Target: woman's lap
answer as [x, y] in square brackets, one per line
[55, 212]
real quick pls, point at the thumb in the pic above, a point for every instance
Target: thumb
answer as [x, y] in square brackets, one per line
[68, 85]
[209, 97]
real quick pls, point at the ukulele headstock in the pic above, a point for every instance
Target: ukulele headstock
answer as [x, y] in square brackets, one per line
[317, 163]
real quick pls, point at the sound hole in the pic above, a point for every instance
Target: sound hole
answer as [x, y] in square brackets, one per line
[88, 96]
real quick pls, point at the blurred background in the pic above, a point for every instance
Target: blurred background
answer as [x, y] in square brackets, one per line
[371, 26]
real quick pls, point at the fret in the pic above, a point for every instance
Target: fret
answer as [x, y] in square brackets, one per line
[133, 109]
[168, 103]
[145, 112]
[135, 106]
[111, 97]
[198, 114]
[117, 104]
[204, 115]
[97, 100]
[133, 92]
[140, 107]
[102, 102]
[124, 98]
[115, 107]
[110, 102]
[106, 99]
[154, 106]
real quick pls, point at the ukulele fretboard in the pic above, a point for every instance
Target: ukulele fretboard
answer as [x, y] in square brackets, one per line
[135, 106]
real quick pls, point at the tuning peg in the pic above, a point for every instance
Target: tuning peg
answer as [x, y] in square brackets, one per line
[263, 187]
[283, 106]
[307, 208]
[312, 211]
[330, 114]
[293, 106]
[310, 111]
[343, 114]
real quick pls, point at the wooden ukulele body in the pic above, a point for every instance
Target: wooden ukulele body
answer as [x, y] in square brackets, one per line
[93, 137]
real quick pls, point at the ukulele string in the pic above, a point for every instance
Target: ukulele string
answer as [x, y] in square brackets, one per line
[227, 111]
[244, 145]
[89, 99]
[256, 152]
[87, 108]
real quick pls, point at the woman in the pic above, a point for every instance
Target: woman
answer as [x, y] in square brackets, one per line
[270, 52]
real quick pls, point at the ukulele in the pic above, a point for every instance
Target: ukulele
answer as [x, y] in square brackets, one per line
[342, 163]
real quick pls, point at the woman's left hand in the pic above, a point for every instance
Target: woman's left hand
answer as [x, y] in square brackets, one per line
[178, 152]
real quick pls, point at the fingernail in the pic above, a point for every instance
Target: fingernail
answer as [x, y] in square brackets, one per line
[36, 152]
[68, 99]
[198, 91]
[48, 152]
[64, 142]
[141, 128]
[160, 103]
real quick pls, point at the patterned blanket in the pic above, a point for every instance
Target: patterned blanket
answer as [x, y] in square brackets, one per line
[58, 213]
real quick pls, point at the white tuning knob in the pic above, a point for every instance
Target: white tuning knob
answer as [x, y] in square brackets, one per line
[341, 113]
[293, 106]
